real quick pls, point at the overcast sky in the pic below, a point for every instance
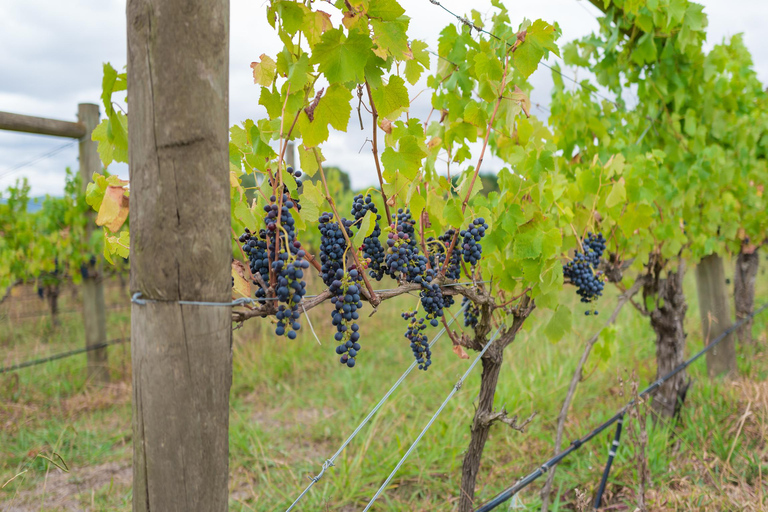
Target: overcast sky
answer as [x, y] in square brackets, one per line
[51, 55]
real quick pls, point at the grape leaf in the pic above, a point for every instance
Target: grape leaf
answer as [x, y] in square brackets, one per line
[341, 58]
[315, 25]
[390, 38]
[392, 99]
[114, 209]
[617, 195]
[264, 71]
[367, 226]
[559, 323]
[406, 159]
[420, 61]
[386, 10]
[539, 38]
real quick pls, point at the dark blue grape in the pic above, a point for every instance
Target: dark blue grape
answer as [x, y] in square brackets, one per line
[471, 313]
[288, 267]
[419, 340]
[583, 272]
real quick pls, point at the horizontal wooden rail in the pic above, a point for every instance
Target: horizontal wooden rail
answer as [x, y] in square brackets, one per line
[41, 125]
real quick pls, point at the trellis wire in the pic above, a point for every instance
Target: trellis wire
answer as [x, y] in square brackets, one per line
[328, 463]
[62, 355]
[575, 445]
[456, 387]
[10, 170]
[465, 21]
[136, 297]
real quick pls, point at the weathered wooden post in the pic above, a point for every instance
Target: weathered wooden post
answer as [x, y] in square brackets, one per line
[94, 314]
[715, 311]
[178, 66]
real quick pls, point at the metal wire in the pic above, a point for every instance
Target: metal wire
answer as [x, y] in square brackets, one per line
[62, 355]
[464, 21]
[136, 297]
[456, 387]
[575, 445]
[10, 170]
[330, 462]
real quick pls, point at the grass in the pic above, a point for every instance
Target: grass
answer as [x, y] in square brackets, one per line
[292, 405]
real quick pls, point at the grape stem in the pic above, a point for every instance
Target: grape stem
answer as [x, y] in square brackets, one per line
[479, 161]
[374, 299]
[375, 149]
[270, 307]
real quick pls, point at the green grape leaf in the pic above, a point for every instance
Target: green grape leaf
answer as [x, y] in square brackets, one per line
[385, 10]
[391, 38]
[312, 195]
[559, 323]
[308, 161]
[636, 216]
[297, 73]
[539, 39]
[420, 61]
[406, 159]
[367, 226]
[245, 215]
[341, 58]
[528, 244]
[392, 99]
[617, 195]
[453, 214]
[334, 107]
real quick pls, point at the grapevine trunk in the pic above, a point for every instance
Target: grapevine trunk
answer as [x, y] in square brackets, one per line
[481, 424]
[667, 322]
[52, 294]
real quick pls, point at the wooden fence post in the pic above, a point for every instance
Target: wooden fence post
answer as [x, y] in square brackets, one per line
[715, 311]
[94, 314]
[178, 66]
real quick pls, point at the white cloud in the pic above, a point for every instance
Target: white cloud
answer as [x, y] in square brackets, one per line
[53, 54]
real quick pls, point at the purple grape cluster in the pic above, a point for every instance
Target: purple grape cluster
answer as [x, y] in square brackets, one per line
[471, 237]
[471, 313]
[346, 299]
[289, 265]
[373, 251]
[419, 340]
[437, 252]
[403, 257]
[583, 272]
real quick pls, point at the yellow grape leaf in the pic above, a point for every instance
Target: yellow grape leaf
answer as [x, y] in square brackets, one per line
[242, 287]
[114, 209]
[264, 71]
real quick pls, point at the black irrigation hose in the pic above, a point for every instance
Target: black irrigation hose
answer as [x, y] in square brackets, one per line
[62, 355]
[575, 445]
[608, 464]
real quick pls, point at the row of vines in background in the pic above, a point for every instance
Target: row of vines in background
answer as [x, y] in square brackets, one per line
[44, 240]
[604, 191]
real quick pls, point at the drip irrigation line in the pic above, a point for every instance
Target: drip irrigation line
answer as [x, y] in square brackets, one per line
[456, 387]
[62, 355]
[330, 462]
[18, 167]
[609, 463]
[575, 445]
